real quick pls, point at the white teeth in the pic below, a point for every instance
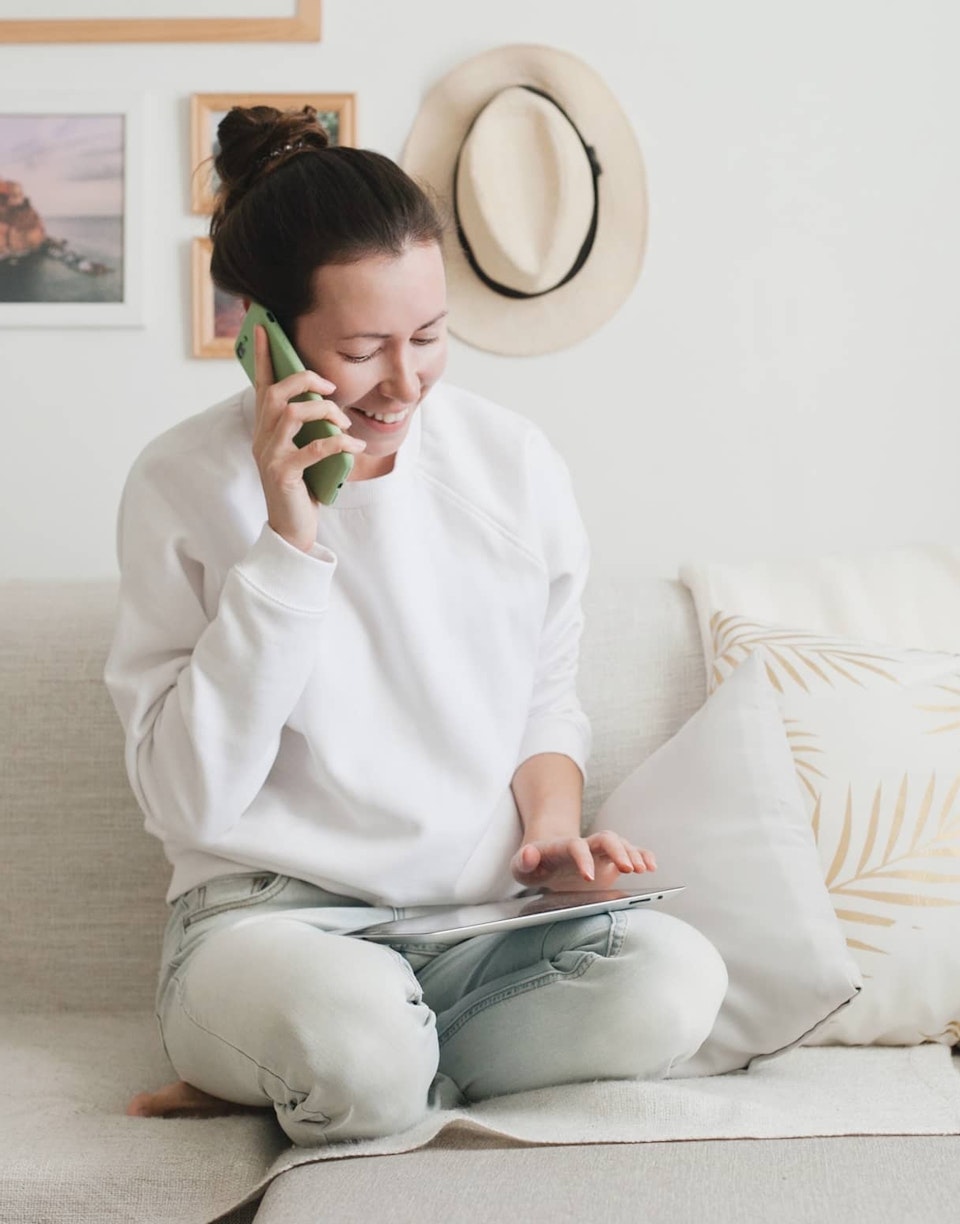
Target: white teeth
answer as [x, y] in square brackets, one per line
[389, 418]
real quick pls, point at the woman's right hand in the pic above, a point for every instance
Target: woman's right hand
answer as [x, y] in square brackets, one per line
[292, 511]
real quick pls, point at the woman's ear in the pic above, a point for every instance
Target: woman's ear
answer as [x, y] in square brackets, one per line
[246, 303]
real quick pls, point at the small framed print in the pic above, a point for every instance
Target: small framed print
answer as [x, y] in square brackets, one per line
[336, 112]
[72, 200]
[216, 315]
[100, 21]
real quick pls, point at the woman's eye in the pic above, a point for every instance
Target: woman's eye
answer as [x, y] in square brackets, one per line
[358, 359]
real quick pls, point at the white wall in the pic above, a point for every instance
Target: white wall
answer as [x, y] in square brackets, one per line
[783, 379]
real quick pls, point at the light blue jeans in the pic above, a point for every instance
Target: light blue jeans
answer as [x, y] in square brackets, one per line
[348, 1039]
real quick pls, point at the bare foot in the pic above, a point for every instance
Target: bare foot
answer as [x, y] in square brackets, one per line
[182, 1100]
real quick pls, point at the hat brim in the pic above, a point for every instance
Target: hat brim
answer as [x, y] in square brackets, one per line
[527, 326]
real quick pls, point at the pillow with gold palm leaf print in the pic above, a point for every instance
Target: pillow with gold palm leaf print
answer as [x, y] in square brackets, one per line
[875, 736]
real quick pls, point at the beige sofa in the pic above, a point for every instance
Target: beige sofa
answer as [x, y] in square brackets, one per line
[82, 911]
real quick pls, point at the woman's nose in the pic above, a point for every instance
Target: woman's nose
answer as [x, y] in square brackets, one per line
[402, 382]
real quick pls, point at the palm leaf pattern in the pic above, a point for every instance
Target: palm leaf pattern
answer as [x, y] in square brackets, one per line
[861, 880]
[952, 710]
[802, 746]
[790, 652]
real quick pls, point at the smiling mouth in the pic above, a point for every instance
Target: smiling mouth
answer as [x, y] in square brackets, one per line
[384, 418]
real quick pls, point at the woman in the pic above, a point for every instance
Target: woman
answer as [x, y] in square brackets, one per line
[370, 704]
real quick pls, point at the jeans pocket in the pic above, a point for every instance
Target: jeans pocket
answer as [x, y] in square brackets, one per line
[232, 892]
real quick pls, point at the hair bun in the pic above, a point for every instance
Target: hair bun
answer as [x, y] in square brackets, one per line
[256, 140]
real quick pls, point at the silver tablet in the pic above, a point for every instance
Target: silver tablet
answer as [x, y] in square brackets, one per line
[450, 924]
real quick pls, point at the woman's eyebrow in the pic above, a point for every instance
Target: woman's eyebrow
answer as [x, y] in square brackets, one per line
[385, 336]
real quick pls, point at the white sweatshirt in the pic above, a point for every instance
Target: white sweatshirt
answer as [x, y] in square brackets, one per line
[352, 716]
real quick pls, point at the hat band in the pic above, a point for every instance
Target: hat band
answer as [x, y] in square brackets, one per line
[584, 252]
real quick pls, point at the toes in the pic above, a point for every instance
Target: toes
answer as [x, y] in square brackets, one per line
[168, 1100]
[182, 1100]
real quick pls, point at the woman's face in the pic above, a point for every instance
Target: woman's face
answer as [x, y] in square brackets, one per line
[379, 334]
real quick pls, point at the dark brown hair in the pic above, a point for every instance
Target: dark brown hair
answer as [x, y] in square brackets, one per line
[289, 203]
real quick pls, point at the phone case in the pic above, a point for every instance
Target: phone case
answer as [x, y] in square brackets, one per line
[323, 479]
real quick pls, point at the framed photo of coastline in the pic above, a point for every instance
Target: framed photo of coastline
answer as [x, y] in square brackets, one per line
[216, 315]
[337, 113]
[71, 209]
[79, 21]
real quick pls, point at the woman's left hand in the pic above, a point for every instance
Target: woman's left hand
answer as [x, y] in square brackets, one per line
[573, 863]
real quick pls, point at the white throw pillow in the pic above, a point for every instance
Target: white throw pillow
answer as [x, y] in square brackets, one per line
[875, 733]
[720, 807]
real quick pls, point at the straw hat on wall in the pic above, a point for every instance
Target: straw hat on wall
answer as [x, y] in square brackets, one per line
[542, 178]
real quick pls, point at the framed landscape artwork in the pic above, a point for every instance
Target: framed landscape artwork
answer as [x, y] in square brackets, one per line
[71, 209]
[337, 113]
[77, 21]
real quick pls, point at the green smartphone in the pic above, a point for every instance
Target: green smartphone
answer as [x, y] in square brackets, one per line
[325, 478]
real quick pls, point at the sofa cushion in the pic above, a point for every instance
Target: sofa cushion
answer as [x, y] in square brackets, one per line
[855, 1180]
[69, 1153]
[82, 904]
[720, 807]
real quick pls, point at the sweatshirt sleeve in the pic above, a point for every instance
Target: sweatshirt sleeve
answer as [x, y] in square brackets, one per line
[203, 694]
[556, 721]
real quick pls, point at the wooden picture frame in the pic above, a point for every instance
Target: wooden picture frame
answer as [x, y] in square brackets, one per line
[72, 208]
[206, 111]
[303, 25]
[216, 315]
